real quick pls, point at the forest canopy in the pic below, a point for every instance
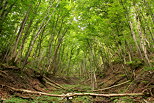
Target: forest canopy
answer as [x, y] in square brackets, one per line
[76, 37]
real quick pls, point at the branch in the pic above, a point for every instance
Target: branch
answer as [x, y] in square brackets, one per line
[112, 86]
[5, 66]
[54, 83]
[76, 94]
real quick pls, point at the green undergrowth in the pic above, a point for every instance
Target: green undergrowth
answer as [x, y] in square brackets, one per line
[148, 68]
[48, 99]
[123, 100]
[70, 89]
[77, 87]
[77, 99]
[41, 99]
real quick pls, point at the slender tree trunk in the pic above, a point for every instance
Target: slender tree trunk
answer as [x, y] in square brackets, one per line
[41, 28]
[32, 43]
[60, 40]
[50, 48]
[27, 32]
[135, 40]
[13, 53]
[129, 50]
[143, 43]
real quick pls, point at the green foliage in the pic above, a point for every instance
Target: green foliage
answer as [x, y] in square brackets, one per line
[71, 36]
[148, 68]
[76, 38]
[16, 100]
[41, 99]
[77, 87]
[47, 99]
[83, 99]
[117, 61]
[136, 63]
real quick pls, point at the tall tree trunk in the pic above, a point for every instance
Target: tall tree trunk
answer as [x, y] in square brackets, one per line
[27, 32]
[13, 53]
[135, 40]
[143, 43]
[32, 43]
[40, 29]
[54, 60]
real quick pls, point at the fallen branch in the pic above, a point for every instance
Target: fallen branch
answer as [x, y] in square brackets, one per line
[118, 80]
[58, 85]
[5, 66]
[52, 85]
[3, 73]
[111, 86]
[75, 94]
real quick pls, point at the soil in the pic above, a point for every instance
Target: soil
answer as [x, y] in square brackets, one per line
[27, 79]
[141, 81]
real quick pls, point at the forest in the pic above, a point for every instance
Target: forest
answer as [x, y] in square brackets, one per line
[77, 51]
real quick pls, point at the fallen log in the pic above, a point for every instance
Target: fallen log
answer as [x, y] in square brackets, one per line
[75, 94]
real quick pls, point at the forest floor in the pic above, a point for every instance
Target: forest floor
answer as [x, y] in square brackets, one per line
[113, 81]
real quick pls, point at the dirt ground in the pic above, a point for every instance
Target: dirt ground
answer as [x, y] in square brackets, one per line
[31, 80]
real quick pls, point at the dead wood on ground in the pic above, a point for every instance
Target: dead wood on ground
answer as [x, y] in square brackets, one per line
[111, 86]
[50, 82]
[74, 94]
